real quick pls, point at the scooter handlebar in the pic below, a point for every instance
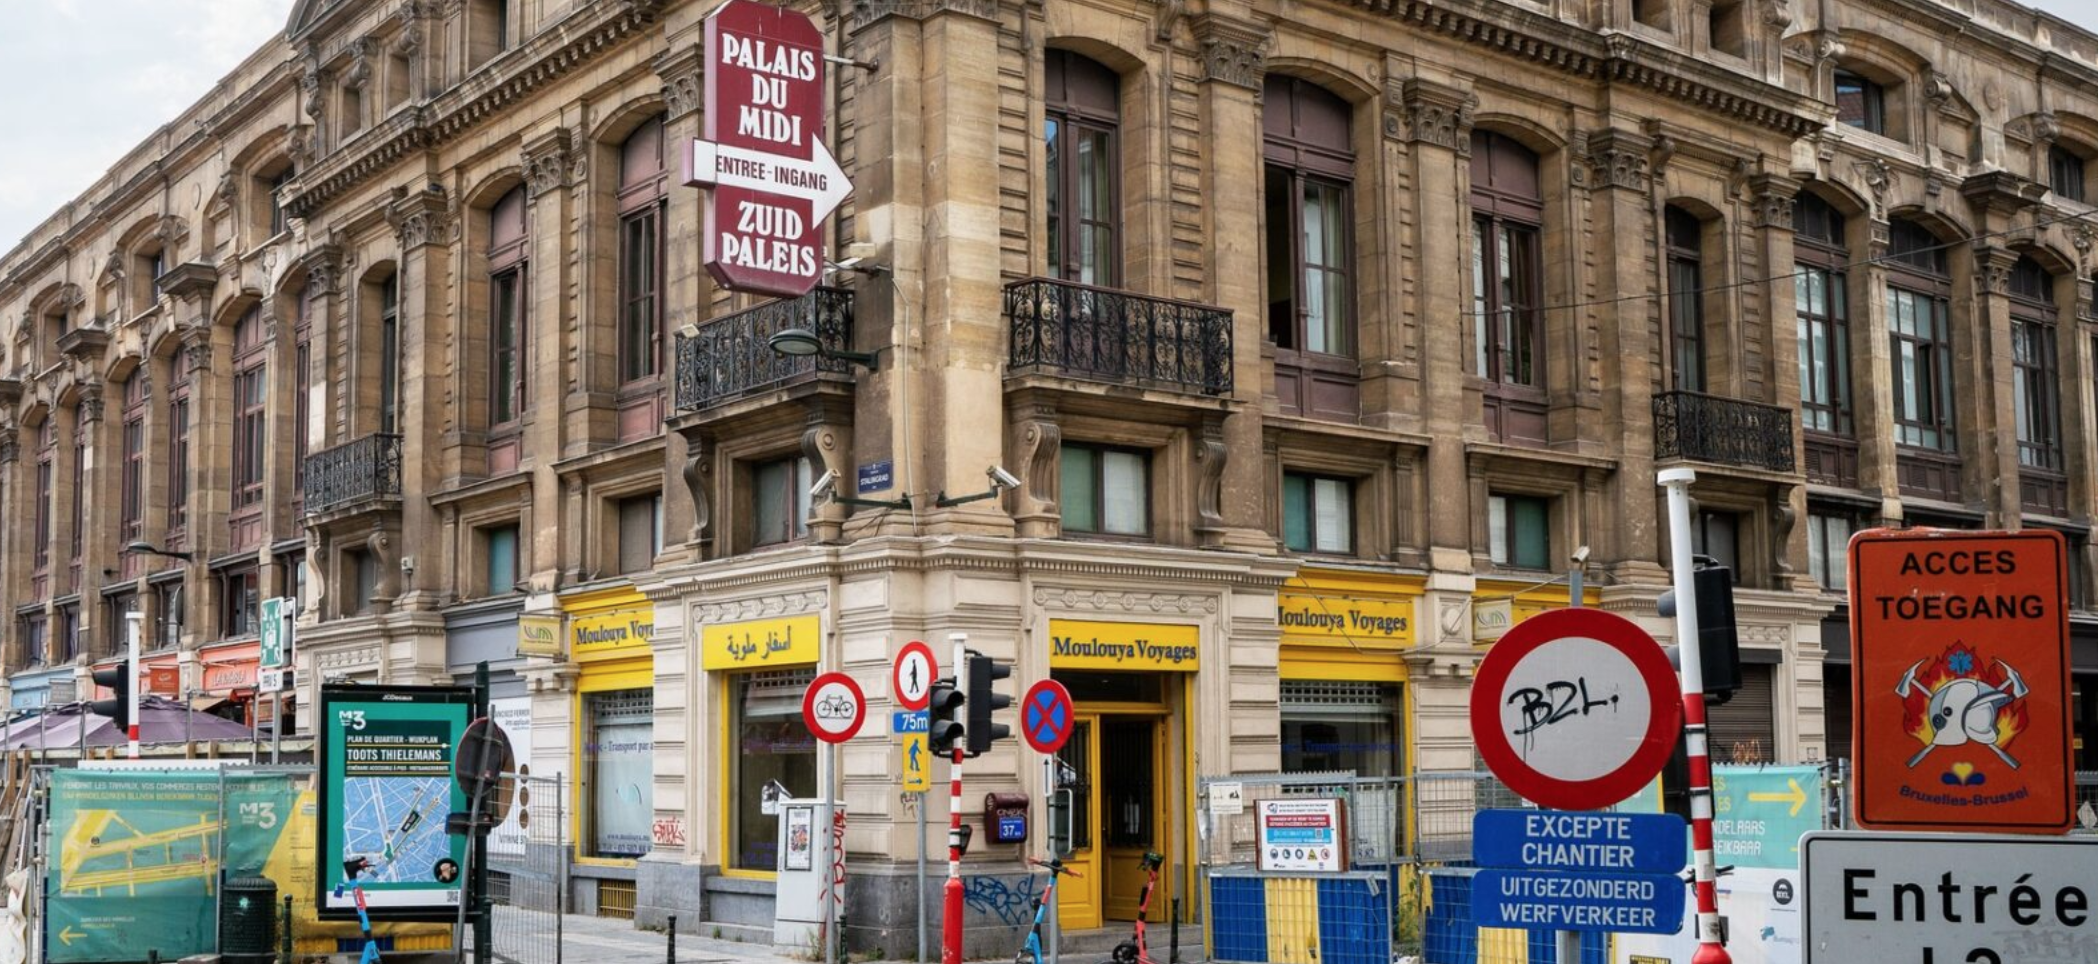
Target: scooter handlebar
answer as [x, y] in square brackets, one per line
[1055, 866]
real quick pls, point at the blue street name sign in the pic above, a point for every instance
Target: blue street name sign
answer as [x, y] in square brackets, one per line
[877, 476]
[1548, 900]
[1581, 841]
[919, 721]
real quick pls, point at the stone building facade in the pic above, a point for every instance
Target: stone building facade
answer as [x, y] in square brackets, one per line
[1318, 336]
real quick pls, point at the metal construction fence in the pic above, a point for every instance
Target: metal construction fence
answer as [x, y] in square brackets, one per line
[528, 880]
[1407, 892]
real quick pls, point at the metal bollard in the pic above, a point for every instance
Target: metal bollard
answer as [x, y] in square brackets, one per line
[284, 934]
[670, 942]
[153, 956]
[1173, 940]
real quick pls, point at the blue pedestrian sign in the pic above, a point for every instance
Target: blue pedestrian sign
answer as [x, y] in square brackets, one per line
[910, 721]
[1551, 900]
[1578, 841]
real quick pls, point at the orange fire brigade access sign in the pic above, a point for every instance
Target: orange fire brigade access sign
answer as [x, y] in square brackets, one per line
[1960, 681]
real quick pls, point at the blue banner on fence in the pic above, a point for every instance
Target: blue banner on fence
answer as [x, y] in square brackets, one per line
[1647, 843]
[1547, 900]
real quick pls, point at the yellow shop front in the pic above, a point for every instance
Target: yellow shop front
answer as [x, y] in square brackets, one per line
[757, 671]
[608, 633]
[1343, 689]
[1132, 689]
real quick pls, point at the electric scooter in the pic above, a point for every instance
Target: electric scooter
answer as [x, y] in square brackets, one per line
[1137, 950]
[1032, 952]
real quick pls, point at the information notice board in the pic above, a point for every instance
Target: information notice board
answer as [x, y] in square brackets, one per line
[386, 786]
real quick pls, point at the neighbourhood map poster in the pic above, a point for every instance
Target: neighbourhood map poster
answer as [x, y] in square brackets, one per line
[386, 786]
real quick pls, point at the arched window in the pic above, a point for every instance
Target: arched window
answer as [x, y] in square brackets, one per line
[1821, 303]
[2036, 388]
[250, 409]
[641, 255]
[131, 514]
[1310, 176]
[1861, 102]
[46, 486]
[506, 309]
[1686, 309]
[386, 292]
[1919, 298]
[1082, 112]
[1507, 200]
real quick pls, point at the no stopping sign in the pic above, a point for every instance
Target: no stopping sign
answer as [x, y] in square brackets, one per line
[1576, 709]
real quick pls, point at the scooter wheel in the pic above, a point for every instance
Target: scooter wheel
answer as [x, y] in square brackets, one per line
[1124, 953]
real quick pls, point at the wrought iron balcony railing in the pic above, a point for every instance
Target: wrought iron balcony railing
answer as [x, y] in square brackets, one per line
[359, 470]
[732, 356]
[1723, 431]
[1063, 328]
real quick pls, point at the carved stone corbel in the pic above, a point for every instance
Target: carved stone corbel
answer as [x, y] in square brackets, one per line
[678, 68]
[1438, 114]
[1036, 441]
[386, 558]
[1992, 268]
[1210, 456]
[419, 218]
[1771, 200]
[1782, 519]
[546, 162]
[1619, 159]
[698, 473]
[821, 445]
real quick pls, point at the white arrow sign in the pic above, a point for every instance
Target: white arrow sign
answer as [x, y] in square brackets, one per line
[820, 181]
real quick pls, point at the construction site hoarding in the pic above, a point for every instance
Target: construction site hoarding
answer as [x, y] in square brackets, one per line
[386, 787]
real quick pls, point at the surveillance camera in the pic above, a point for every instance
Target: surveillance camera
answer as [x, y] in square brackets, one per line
[824, 484]
[1002, 479]
[1580, 555]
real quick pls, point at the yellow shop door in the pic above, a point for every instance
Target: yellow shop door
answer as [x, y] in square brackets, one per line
[1118, 816]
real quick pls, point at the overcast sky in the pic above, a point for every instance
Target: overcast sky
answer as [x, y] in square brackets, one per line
[83, 81]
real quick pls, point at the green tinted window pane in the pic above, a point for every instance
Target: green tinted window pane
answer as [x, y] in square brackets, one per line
[1296, 512]
[1527, 524]
[502, 559]
[1081, 496]
[769, 501]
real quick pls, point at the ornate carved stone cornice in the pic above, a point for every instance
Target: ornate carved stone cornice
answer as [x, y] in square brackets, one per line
[2001, 192]
[418, 218]
[679, 69]
[1992, 267]
[189, 281]
[1436, 114]
[1233, 51]
[546, 160]
[1618, 159]
[323, 266]
[1770, 197]
[359, 73]
[593, 32]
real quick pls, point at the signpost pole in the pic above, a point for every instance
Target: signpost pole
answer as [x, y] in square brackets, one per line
[132, 619]
[1711, 946]
[1570, 941]
[951, 903]
[832, 894]
[921, 877]
[477, 845]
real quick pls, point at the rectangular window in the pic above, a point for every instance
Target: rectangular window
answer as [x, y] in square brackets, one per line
[178, 462]
[619, 768]
[33, 641]
[499, 559]
[1507, 276]
[390, 354]
[278, 224]
[301, 412]
[1106, 490]
[640, 244]
[170, 597]
[76, 535]
[250, 438]
[2036, 394]
[772, 745]
[1309, 256]
[239, 602]
[1860, 103]
[779, 500]
[641, 531]
[1922, 350]
[1082, 211]
[506, 378]
[1718, 537]
[1824, 349]
[1828, 550]
[132, 511]
[1686, 323]
[44, 482]
[1518, 531]
[68, 633]
[1318, 513]
[2065, 170]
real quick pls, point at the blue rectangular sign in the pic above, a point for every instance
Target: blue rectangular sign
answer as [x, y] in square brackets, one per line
[910, 721]
[877, 476]
[1548, 900]
[1645, 843]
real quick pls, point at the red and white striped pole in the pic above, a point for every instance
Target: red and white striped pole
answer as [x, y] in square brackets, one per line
[132, 621]
[951, 908]
[1711, 946]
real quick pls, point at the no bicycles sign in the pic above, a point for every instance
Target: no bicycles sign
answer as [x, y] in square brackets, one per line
[833, 707]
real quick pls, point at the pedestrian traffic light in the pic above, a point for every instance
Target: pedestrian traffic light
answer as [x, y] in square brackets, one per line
[943, 726]
[983, 701]
[118, 706]
[1719, 646]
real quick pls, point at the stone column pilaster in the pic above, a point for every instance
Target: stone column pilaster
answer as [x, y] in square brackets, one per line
[1436, 124]
[1616, 173]
[422, 224]
[1984, 393]
[548, 219]
[1771, 217]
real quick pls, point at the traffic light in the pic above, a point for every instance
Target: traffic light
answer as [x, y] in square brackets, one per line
[943, 728]
[118, 706]
[983, 701]
[1719, 646]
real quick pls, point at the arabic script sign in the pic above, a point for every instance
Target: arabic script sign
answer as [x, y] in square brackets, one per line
[760, 643]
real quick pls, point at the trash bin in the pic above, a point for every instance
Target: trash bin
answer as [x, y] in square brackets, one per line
[248, 917]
